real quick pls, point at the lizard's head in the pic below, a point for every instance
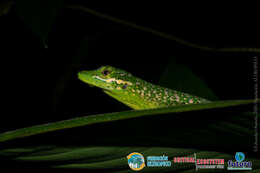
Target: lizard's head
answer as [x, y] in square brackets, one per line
[107, 78]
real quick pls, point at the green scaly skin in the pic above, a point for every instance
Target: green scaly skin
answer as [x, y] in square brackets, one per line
[135, 92]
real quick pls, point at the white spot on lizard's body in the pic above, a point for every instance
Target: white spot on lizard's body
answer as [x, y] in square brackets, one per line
[177, 98]
[110, 80]
[124, 82]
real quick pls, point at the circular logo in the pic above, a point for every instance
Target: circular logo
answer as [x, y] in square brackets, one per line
[136, 161]
[240, 156]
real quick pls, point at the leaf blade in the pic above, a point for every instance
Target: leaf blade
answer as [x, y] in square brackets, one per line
[93, 119]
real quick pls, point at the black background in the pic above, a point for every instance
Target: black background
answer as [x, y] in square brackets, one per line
[39, 72]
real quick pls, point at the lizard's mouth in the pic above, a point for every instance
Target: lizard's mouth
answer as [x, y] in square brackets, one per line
[86, 77]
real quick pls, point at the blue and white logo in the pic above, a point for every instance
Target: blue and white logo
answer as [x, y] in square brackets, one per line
[239, 164]
[240, 156]
[136, 161]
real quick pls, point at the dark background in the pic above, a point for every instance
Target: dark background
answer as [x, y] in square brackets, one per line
[44, 44]
[39, 75]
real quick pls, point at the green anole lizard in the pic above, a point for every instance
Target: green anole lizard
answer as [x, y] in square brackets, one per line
[133, 91]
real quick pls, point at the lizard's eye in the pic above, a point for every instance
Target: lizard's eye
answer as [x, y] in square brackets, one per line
[105, 72]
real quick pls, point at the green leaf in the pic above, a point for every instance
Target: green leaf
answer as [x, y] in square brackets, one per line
[93, 119]
[102, 147]
[181, 78]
